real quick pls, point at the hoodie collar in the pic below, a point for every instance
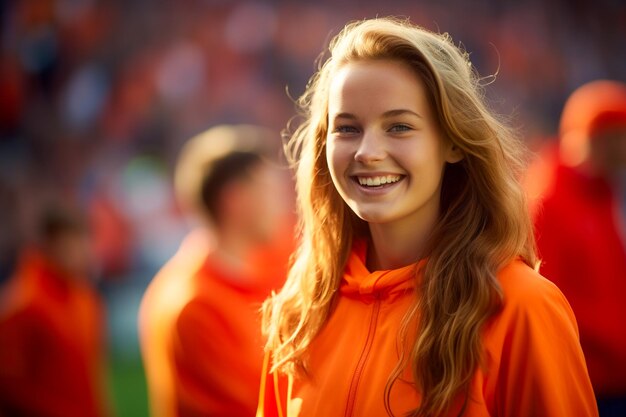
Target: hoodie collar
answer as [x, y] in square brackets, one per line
[358, 282]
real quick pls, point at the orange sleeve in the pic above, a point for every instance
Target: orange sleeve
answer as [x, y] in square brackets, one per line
[211, 378]
[543, 371]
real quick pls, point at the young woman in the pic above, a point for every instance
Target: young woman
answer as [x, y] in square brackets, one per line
[413, 291]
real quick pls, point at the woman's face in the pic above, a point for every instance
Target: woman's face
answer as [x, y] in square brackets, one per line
[384, 150]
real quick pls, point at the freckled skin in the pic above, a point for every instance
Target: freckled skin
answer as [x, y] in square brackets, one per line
[381, 123]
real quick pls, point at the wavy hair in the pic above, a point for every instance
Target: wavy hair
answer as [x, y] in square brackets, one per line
[482, 226]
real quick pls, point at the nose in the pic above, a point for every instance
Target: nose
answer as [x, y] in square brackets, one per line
[371, 148]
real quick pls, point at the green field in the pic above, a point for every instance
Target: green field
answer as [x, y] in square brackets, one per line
[128, 387]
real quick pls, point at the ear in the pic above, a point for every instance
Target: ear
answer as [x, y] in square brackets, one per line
[453, 154]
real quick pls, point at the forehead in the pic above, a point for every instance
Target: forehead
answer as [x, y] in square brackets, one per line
[376, 85]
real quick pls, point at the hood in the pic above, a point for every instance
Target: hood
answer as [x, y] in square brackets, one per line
[358, 282]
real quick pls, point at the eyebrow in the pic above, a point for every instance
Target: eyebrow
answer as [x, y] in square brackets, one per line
[387, 114]
[400, 112]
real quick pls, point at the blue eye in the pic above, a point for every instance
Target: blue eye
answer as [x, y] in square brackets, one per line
[400, 128]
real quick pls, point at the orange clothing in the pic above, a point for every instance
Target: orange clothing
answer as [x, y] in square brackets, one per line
[533, 362]
[51, 344]
[577, 218]
[200, 336]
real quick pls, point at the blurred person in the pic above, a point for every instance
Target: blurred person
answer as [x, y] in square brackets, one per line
[199, 319]
[579, 207]
[414, 290]
[51, 326]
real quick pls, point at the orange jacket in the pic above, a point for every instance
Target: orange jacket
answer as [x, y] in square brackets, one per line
[51, 344]
[533, 362]
[200, 335]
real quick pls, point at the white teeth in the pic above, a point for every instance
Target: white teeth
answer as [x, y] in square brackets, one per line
[378, 181]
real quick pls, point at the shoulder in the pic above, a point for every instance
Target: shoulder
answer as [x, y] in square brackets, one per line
[199, 328]
[527, 296]
[172, 287]
[196, 308]
[522, 284]
[171, 301]
[205, 308]
[538, 367]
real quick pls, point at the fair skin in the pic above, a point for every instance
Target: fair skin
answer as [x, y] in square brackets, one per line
[386, 156]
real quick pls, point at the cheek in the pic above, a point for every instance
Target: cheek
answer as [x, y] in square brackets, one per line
[338, 157]
[425, 162]
[332, 159]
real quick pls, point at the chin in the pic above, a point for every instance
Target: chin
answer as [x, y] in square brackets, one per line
[264, 234]
[262, 238]
[374, 216]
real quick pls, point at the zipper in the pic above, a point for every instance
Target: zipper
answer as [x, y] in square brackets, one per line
[358, 371]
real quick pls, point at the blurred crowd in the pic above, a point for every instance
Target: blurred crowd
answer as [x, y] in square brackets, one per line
[98, 97]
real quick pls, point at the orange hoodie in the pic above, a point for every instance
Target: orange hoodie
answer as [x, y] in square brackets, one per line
[533, 362]
[200, 333]
[51, 344]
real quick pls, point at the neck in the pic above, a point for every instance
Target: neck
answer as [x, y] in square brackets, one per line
[232, 250]
[402, 242]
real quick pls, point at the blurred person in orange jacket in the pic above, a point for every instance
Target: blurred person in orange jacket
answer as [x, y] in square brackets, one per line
[579, 206]
[413, 291]
[51, 327]
[199, 320]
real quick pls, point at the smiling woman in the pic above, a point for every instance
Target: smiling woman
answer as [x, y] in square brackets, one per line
[413, 291]
[386, 155]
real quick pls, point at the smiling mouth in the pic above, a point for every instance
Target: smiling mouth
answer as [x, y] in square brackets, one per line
[377, 181]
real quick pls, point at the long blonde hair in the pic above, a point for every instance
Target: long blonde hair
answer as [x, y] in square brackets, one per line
[483, 224]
